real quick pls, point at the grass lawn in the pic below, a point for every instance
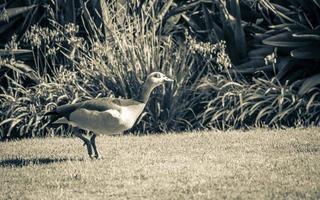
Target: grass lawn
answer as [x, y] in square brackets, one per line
[258, 164]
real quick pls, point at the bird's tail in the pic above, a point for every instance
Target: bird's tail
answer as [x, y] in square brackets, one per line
[52, 116]
[53, 112]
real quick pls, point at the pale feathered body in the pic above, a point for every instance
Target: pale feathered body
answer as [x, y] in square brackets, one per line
[108, 122]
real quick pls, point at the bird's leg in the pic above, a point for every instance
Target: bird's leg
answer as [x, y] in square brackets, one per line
[93, 143]
[86, 141]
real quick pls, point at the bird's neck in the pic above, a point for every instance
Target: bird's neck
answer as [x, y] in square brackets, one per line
[145, 92]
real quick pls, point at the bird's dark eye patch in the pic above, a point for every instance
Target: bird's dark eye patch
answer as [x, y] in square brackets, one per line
[157, 75]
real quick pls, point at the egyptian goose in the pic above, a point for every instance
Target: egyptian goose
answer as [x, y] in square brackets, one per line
[106, 115]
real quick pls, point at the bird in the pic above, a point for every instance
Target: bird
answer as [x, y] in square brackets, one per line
[105, 116]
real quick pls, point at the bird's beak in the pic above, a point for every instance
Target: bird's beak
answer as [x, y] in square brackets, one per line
[166, 79]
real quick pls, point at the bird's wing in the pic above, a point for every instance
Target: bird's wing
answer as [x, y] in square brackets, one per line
[124, 102]
[97, 121]
[98, 105]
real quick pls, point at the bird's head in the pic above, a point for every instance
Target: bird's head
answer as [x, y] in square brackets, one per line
[153, 80]
[157, 78]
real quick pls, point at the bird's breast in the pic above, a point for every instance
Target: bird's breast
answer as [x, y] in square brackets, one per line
[130, 114]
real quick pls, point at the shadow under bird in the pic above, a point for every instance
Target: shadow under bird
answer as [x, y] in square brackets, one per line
[106, 115]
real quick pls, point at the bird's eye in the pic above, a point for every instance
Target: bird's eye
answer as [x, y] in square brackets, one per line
[158, 76]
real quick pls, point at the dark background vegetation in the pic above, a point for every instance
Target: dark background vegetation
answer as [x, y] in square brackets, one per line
[236, 63]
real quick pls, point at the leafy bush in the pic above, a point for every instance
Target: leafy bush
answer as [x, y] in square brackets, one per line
[18, 17]
[236, 64]
[263, 103]
[113, 68]
[277, 38]
[22, 108]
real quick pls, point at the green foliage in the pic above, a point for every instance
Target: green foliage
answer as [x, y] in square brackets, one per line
[263, 103]
[277, 38]
[298, 35]
[18, 17]
[113, 68]
[236, 64]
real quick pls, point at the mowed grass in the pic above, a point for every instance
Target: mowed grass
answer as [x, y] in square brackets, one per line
[258, 164]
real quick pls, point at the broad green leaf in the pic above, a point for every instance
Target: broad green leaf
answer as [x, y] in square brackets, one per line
[283, 65]
[4, 52]
[252, 63]
[69, 11]
[260, 52]
[286, 26]
[258, 37]
[191, 22]
[214, 34]
[217, 30]
[285, 40]
[307, 52]
[252, 70]
[6, 26]
[308, 84]
[311, 100]
[2, 6]
[308, 35]
[182, 8]
[239, 36]
[317, 2]
[284, 16]
[281, 8]
[11, 12]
